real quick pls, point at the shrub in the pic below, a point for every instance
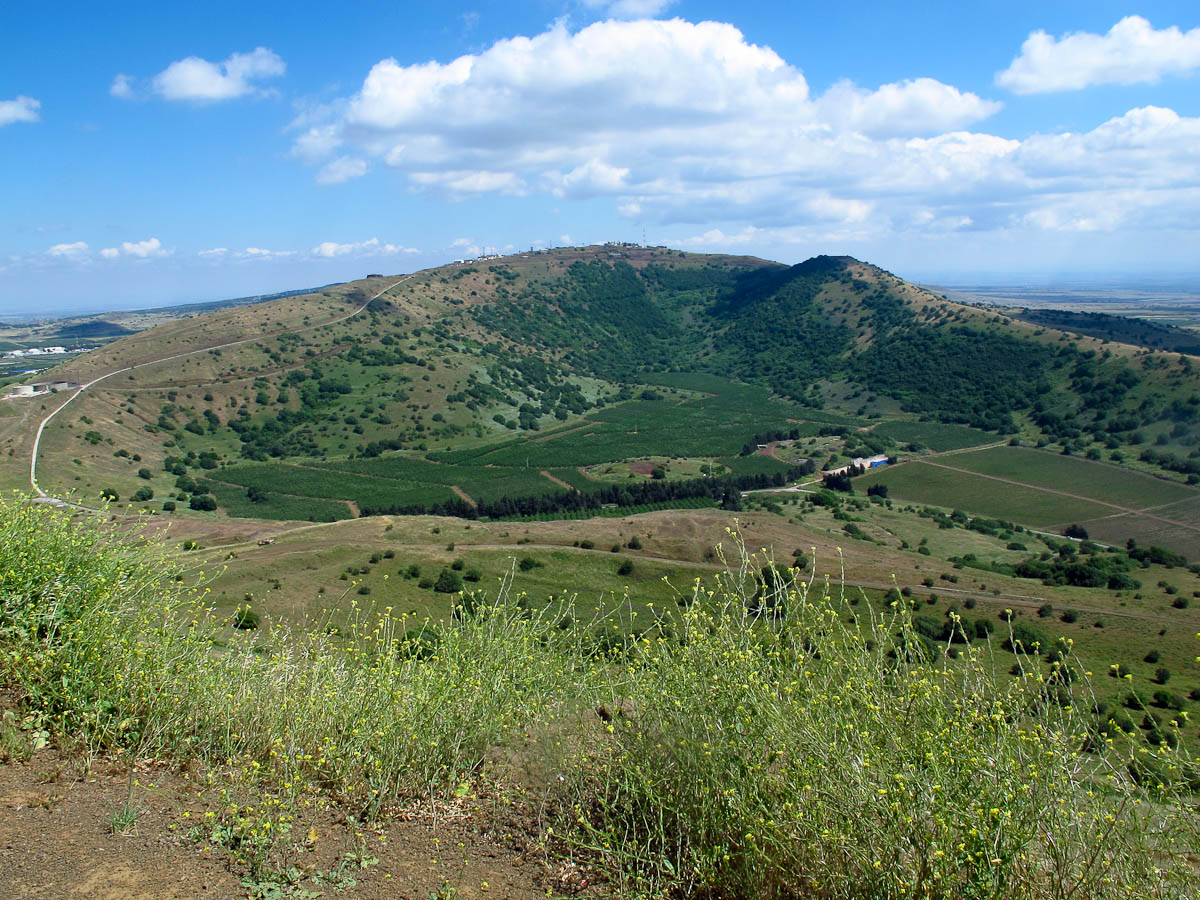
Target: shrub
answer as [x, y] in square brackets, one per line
[142, 494]
[625, 568]
[1167, 700]
[168, 506]
[202, 502]
[528, 564]
[245, 619]
[448, 582]
[1025, 638]
[109, 495]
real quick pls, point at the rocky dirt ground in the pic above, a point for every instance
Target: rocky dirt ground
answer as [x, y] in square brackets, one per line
[57, 841]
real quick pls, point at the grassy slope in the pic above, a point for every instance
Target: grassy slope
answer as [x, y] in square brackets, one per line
[797, 747]
[453, 347]
[441, 305]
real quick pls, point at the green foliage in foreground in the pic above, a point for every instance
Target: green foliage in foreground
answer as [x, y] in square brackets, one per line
[804, 754]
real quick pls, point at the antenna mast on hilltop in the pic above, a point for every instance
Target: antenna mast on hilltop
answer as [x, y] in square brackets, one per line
[643, 235]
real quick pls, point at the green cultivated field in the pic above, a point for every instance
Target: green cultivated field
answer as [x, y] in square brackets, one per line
[1071, 475]
[710, 426]
[1185, 511]
[921, 483]
[935, 436]
[279, 506]
[330, 484]
[720, 424]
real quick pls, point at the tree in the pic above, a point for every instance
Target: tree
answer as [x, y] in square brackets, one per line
[626, 568]
[838, 482]
[255, 494]
[110, 495]
[878, 490]
[142, 494]
[448, 582]
[202, 503]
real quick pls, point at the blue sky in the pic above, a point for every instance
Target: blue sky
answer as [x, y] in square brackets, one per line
[152, 154]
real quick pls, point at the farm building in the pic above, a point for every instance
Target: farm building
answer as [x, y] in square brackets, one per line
[41, 387]
[860, 463]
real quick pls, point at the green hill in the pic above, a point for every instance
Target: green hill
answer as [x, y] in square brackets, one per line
[458, 387]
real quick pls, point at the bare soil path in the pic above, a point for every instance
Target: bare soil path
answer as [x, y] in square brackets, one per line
[558, 481]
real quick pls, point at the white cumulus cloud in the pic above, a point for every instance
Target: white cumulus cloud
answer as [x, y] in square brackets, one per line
[19, 109]
[76, 250]
[917, 106]
[671, 118]
[144, 249]
[681, 123]
[371, 247]
[199, 80]
[1133, 52]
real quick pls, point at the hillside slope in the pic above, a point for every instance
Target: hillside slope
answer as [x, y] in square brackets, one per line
[616, 347]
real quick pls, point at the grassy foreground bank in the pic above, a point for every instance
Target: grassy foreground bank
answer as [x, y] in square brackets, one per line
[750, 742]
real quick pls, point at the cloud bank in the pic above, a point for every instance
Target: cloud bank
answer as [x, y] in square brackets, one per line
[679, 122]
